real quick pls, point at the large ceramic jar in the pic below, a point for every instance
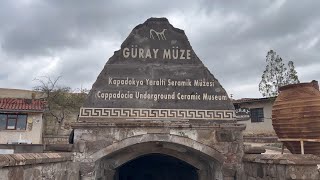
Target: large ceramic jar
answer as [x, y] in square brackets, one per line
[296, 115]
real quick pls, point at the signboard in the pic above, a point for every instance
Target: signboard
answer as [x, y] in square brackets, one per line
[243, 114]
[156, 74]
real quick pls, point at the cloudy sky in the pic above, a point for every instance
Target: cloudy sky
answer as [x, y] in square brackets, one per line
[74, 39]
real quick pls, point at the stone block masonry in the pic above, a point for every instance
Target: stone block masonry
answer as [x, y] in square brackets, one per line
[56, 139]
[34, 166]
[214, 148]
[281, 166]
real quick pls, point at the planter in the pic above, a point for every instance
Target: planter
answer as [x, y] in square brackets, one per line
[296, 116]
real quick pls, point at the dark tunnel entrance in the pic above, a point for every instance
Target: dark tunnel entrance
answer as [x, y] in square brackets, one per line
[156, 167]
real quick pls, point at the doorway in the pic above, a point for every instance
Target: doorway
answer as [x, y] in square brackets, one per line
[156, 167]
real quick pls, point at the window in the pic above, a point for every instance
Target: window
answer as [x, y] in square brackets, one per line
[13, 121]
[21, 122]
[257, 115]
[3, 121]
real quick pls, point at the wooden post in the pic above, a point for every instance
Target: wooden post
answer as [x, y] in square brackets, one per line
[301, 140]
[302, 147]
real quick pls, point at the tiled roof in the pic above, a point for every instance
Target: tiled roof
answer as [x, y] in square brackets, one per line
[244, 100]
[12, 104]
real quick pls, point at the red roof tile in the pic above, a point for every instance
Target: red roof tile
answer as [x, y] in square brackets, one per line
[11, 104]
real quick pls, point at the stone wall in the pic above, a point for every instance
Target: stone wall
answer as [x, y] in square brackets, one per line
[281, 166]
[22, 148]
[30, 166]
[260, 139]
[53, 128]
[221, 142]
[20, 93]
[55, 139]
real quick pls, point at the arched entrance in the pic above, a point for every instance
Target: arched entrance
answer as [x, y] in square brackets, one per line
[156, 167]
[166, 158]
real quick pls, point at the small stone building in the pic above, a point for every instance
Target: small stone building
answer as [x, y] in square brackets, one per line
[260, 111]
[21, 121]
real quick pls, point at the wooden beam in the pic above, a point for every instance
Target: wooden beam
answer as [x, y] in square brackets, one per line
[299, 139]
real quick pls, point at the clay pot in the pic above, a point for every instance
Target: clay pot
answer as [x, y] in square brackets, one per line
[296, 114]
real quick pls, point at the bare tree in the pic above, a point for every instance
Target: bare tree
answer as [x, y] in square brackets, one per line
[61, 100]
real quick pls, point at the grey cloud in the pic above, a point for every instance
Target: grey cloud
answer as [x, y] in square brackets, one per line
[47, 26]
[3, 76]
[231, 38]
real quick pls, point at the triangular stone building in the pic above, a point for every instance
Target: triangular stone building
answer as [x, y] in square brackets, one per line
[155, 111]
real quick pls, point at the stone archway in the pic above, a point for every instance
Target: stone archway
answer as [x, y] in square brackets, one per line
[158, 137]
[215, 150]
[206, 161]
